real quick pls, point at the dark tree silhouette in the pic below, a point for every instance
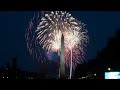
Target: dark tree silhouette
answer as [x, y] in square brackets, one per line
[107, 57]
[110, 55]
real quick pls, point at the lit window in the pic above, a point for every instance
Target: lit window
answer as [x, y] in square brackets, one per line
[7, 77]
[3, 76]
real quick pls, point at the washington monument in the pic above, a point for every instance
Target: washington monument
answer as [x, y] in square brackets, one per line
[62, 61]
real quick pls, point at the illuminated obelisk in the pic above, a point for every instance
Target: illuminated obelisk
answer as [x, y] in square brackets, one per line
[62, 62]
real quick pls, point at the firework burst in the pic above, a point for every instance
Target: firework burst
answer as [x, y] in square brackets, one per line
[32, 43]
[48, 31]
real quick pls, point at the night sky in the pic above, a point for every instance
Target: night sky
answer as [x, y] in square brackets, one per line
[101, 25]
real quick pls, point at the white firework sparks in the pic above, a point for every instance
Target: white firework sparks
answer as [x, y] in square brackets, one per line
[55, 23]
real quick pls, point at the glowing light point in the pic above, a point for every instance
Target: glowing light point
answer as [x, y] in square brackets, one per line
[109, 69]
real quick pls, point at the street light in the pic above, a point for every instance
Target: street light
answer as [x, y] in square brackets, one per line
[109, 69]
